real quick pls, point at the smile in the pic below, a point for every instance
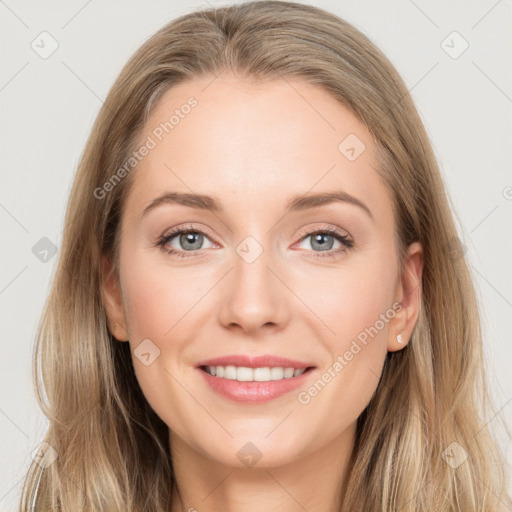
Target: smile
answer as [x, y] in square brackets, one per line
[246, 374]
[250, 378]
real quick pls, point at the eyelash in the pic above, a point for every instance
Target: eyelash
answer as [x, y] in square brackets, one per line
[164, 239]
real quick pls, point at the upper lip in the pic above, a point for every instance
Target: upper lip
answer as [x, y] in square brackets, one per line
[254, 361]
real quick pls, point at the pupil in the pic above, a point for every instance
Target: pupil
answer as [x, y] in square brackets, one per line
[322, 245]
[188, 238]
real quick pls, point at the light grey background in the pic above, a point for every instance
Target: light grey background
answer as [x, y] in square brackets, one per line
[49, 104]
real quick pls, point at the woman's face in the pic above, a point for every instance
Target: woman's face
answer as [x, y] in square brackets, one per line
[265, 272]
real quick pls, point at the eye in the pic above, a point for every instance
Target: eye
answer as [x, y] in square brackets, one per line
[182, 240]
[322, 241]
[187, 239]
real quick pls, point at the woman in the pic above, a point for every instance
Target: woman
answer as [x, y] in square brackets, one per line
[317, 346]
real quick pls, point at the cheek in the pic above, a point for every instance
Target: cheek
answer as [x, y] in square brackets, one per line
[156, 296]
[356, 306]
[350, 300]
[157, 299]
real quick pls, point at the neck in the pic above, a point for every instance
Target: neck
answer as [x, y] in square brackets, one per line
[314, 482]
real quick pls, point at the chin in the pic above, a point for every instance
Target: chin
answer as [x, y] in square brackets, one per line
[257, 451]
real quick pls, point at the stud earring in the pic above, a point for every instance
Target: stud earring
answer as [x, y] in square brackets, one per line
[399, 338]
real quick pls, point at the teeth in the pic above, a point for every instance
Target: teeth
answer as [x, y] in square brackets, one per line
[230, 372]
[288, 372]
[276, 373]
[245, 374]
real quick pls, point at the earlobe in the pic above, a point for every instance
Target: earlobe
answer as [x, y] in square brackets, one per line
[409, 295]
[113, 303]
[397, 340]
[119, 333]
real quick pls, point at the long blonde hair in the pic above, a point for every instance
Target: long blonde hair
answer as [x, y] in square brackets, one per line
[112, 449]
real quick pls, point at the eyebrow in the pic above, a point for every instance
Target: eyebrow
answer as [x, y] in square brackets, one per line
[297, 203]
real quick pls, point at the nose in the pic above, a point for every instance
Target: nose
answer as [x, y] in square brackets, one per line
[254, 297]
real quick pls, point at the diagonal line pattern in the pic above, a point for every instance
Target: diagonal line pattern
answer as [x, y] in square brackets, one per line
[279, 423]
[76, 14]
[499, 412]
[13, 487]
[213, 79]
[503, 297]
[14, 218]
[492, 8]
[102, 101]
[285, 490]
[492, 81]
[424, 14]
[484, 218]
[13, 279]
[14, 76]
[216, 487]
[13, 13]
[417, 83]
[13, 423]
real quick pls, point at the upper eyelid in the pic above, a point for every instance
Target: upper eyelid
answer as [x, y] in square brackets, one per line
[335, 230]
[345, 239]
[302, 234]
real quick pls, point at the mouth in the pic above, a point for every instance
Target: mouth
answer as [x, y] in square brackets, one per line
[258, 374]
[254, 379]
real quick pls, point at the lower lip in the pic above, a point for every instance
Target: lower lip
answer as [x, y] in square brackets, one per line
[256, 392]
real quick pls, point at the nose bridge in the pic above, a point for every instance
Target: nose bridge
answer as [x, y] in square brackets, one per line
[254, 297]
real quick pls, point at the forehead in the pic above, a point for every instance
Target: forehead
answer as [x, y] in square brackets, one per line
[249, 143]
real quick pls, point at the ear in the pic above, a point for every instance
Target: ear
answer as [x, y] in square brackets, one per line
[408, 293]
[112, 299]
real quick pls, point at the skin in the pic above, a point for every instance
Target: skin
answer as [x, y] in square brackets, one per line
[254, 147]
